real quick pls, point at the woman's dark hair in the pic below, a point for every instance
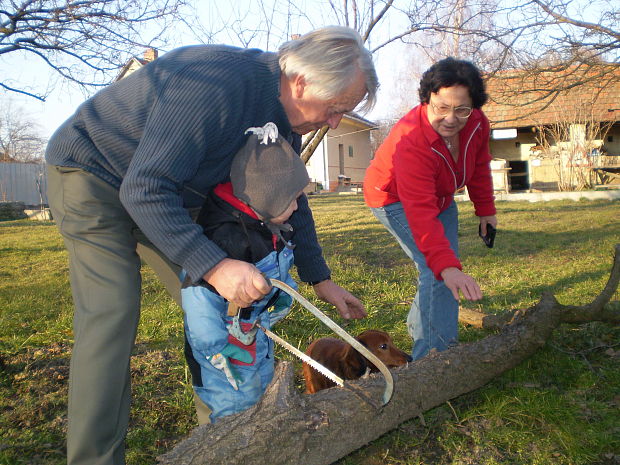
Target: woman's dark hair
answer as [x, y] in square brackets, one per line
[450, 72]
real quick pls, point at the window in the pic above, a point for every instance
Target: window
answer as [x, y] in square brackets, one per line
[350, 151]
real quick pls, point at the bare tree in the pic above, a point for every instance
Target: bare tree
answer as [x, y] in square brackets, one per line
[20, 139]
[535, 52]
[550, 37]
[526, 30]
[540, 37]
[81, 40]
[453, 28]
[503, 38]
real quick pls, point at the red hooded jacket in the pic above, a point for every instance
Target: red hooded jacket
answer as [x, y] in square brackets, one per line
[414, 166]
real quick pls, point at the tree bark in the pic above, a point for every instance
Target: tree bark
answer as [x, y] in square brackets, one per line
[287, 427]
[483, 320]
[312, 143]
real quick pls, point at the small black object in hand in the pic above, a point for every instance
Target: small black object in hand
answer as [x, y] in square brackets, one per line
[490, 237]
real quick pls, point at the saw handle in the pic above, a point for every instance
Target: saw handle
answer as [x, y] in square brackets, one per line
[233, 309]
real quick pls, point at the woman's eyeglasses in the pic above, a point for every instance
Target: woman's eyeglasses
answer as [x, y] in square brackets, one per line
[444, 110]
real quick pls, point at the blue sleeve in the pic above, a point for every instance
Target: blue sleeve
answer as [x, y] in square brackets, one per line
[309, 259]
[187, 129]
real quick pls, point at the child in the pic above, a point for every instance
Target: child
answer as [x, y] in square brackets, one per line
[230, 365]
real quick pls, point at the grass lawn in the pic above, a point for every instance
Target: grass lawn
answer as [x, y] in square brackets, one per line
[562, 406]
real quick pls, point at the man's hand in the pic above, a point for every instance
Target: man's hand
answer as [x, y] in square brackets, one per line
[457, 281]
[346, 303]
[238, 282]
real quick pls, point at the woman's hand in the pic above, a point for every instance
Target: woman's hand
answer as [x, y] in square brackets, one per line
[484, 220]
[346, 303]
[456, 281]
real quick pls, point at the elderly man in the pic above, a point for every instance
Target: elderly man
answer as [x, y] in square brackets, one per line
[127, 169]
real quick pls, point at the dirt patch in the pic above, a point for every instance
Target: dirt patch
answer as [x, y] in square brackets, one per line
[33, 401]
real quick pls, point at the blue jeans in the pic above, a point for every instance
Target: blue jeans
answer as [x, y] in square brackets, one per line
[206, 332]
[433, 318]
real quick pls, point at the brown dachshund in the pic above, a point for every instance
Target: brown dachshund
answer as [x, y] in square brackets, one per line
[341, 358]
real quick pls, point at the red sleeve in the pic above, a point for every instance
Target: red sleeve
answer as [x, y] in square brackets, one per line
[416, 171]
[480, 185]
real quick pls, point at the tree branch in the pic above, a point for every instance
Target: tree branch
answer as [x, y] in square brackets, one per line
[580, 24]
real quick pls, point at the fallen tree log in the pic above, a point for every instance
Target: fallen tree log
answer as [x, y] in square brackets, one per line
[287, 427]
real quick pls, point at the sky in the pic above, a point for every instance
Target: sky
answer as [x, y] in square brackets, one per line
[282, 18]
[64, 97]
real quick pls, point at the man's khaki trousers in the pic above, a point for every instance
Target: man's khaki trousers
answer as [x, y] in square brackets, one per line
[105, 248]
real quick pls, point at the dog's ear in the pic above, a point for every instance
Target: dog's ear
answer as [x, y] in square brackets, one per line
[355, 363]
[360, 338]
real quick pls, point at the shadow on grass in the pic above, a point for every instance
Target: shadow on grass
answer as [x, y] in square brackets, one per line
[513, 243]
[32, 250]
[554, 287]
[34, 388]
[25, 223]
[556, 205]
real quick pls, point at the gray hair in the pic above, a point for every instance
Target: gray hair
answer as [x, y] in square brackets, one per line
[328, 58]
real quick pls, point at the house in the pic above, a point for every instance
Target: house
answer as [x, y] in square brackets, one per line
[341, 159]
[135, 63]
[540, 133]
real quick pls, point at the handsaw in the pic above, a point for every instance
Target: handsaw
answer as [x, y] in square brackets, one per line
[389, 381]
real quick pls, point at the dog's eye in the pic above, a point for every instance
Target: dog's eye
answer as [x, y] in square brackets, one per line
[383, 346]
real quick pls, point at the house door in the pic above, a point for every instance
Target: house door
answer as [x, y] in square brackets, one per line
[341, 159]
[518, 175]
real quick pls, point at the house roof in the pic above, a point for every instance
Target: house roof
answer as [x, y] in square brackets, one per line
[358, 120]
[522, 99]
[134, 63]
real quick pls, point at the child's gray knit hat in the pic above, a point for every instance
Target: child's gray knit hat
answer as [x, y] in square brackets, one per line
[266, 173]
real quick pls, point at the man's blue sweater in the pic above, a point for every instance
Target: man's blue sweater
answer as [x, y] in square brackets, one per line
[166, 135]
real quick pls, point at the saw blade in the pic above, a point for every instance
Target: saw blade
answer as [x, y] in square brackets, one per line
[299, 354]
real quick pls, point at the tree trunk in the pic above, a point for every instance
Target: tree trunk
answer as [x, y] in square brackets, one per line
[312, 142]
[287, 427]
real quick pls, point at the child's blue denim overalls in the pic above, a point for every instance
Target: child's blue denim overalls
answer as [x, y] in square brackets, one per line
[206, 328]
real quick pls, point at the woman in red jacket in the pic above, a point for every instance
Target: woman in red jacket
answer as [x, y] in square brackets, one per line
[437, 148]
